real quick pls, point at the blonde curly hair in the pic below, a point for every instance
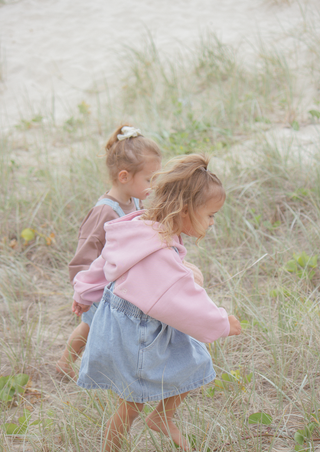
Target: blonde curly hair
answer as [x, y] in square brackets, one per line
[187, 182]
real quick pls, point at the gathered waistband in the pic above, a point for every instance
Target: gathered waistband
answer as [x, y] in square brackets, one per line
[122, 305]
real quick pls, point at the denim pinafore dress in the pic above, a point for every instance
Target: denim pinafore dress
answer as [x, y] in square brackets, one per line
[88, 316]
[140, 358]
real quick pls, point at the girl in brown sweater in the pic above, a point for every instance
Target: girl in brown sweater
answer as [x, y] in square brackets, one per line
[131, 161]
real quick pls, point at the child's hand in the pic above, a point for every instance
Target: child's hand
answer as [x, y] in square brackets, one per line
[235, 327]
[79, 309]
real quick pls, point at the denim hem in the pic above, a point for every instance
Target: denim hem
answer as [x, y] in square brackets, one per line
[161, 396]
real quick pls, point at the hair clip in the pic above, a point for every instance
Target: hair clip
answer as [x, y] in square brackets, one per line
[128, 132]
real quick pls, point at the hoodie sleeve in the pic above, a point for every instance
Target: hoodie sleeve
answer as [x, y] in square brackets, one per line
[187, 307]
[89, 284]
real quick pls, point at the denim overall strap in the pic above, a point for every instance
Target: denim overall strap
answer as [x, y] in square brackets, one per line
[111, 286]
[113, 204]
[136, 203]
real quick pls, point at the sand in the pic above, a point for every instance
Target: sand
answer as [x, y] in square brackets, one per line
[55, 52]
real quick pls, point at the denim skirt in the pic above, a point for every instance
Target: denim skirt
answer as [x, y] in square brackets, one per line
[141, 359]
[87, 317]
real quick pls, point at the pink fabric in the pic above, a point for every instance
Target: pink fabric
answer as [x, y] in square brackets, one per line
[151, 275]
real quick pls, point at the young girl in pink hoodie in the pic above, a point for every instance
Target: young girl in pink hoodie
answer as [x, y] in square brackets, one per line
[147, 338]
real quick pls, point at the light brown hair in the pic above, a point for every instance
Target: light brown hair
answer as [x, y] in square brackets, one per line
[188, 182]
[129, 154]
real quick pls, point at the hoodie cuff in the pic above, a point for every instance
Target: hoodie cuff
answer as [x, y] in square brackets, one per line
[80, 300]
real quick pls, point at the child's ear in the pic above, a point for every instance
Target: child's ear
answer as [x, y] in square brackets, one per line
[184, 211]
[123, 176]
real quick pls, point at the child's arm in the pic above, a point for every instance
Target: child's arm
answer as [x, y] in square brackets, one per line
[89, 284]
[235, 327]
[165, 289]
[91, 239]
[186, 307]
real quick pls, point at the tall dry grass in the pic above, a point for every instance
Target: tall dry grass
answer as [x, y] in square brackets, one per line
[247, 117]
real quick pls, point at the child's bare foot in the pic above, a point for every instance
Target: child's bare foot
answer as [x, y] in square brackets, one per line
[64, 368]
[168, 428]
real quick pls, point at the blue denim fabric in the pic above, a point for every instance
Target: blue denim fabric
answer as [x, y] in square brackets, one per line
[138, 357]
[115, 205]
[87, 317]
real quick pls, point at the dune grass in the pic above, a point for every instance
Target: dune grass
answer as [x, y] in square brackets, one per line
[259, 261]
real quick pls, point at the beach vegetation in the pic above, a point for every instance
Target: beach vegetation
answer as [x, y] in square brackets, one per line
[250, 112]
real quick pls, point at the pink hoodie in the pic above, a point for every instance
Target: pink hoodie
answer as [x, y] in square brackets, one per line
[150, 275]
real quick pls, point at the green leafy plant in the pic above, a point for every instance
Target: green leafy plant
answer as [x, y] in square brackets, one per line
[210, 392]
[147, 409]
[245, 325]
[71, 124]
[11, 385]
[84, 108]
[282, 291]
[299, 193]
[185, 142]
[271, 226]
[37, 119]
[260, 418]
[314, 113]
[236, 379]
[25, 124]
[262, 119]
[24, 422]
[256, 219]
[302, 265]
[21, 427]
[303, 435]
[290, 296]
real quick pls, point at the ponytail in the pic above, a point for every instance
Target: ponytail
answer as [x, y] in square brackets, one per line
[128, 153]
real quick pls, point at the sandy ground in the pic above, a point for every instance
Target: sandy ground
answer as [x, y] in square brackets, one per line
[54, 52]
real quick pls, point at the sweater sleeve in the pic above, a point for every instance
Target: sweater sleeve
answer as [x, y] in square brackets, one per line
[187, 307]
[89, 284]
[91, 239]
[163, 288]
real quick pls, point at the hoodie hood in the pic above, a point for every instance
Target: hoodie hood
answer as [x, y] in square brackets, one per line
[136, 239]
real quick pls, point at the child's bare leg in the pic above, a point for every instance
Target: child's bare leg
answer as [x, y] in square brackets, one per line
[160, 419]
[76, 342]
[120, 423]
